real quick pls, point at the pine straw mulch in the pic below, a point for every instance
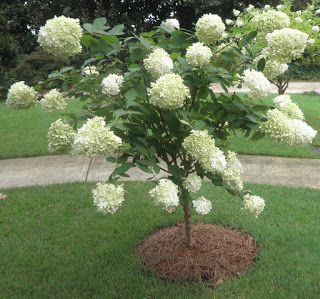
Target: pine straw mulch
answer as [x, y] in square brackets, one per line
[217, 253]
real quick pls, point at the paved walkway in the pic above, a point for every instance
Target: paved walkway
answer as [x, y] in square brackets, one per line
[60, 169]
[294, 87]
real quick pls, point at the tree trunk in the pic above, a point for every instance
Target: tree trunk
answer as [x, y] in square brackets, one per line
[187, 219]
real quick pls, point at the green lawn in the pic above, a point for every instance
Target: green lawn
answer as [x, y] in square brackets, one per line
[54, 245]
[24, 132]
[310, 105]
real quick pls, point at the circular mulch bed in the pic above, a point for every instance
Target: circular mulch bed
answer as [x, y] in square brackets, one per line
[217, 253]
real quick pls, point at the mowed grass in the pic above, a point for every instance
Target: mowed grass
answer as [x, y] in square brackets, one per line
[23, 133]
[53, 244]
[310, 105]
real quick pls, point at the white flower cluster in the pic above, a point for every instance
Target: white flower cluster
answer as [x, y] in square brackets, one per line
[233, 172]
[111, 84]
[61, 36]
[202, 205]
[108, 197]
[170, 24]
[257, 83]
[198, 55]
[192, 183]
[21, 96]
[90, 70]
[285, 104]
[165, 194]
[158, 63]
[210, 28]
[250, 8]
[236, 12]
[315, 28]
[95, 138]
[228, 22]
[239, 22]
[168, 92]
[285, 129]
[274, 69]
[53, 100]
[286, 44]
[270, 20]
[253, 204]
[60, 137]
[201, 147]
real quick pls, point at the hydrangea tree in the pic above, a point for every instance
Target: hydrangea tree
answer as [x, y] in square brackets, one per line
[148, 104]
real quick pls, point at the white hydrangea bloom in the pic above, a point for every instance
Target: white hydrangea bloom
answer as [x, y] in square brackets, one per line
[165, 194]
[267, 7]
[218, 162]
[201, 147]
[284, 104]
[192, 183]
[210, 28]
[318, 11]
[236, 12]
[299, 12]
[21, 96]
[53, 100]
[233, 172]
[170, 24]
[250, 7]
[274, 69]
[61, 36]
[198, 55]
[90, 70]
[253, 204]
[158, 63]
[202, 205]
[315, 28]
[257, 83]
[311, 41]
[285, 129]
[94, 138]
[108, 197]
[229, 22]
[60, 137]
[286, 44]
[298, 20]
[281, 100]
[270, 20]
[168, 92]
[279, 7]
[239, 22]
[111, 84]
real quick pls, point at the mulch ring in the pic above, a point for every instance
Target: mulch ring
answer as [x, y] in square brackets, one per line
[217, 253]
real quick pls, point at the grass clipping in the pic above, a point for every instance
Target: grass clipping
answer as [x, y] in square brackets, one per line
[217, 253]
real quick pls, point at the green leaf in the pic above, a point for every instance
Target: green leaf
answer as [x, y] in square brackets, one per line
[148, 44]
[247, 39]
[131, 95]
[99, 22]
[261, 64]
[116, 30]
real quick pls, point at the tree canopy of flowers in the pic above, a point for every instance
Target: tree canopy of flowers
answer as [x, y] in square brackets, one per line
[148, 103]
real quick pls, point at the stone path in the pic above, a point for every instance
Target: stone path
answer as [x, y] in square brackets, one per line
[294, 87]
[47, 170]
